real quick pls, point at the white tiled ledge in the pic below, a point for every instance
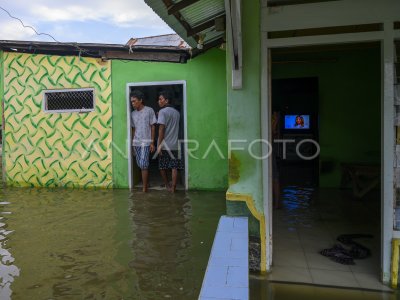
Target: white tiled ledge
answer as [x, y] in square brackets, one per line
[227, 274]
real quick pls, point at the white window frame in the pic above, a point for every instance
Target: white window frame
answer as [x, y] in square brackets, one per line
[46, 92]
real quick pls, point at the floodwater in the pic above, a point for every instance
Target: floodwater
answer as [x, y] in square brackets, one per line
[119, 244]
[298, 203]
[261, 289]
[105, 244]
[307, 208]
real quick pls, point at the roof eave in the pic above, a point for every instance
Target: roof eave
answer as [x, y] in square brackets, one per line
[119, 51]
[159, 8]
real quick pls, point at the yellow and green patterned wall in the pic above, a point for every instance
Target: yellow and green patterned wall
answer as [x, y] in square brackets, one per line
[55, 149]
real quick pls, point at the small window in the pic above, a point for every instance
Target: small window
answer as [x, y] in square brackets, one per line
[71, 100]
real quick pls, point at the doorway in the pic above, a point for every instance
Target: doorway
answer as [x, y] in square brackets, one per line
[151, 91]
[296, 102]
[338, 95]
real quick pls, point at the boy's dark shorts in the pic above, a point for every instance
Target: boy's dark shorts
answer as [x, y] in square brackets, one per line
[170, 160]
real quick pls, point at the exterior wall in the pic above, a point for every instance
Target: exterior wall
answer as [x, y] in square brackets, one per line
[206, 114]
[2, 102]
[1, 87]
[55, 149]
[244, 113]
[245, 193]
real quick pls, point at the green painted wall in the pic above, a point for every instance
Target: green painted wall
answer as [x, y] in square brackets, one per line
[1, 87]
[206, 113]
[349, 103]
[245, 172]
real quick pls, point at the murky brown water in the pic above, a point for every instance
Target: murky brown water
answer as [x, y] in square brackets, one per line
[101, 244]
[263, 290]
[117, 244]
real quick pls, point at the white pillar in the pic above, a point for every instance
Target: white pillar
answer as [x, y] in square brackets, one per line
[266, 135]
[388, 149]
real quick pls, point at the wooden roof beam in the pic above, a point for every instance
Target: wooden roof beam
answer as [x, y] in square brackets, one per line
[178, 16]
[209, 45]
[195, 30]
[180, 5]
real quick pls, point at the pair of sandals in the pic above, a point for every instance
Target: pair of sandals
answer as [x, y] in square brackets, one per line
[346, 256]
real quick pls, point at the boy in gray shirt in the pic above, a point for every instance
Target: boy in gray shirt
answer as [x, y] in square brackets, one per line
[168, 143]
[143, 124]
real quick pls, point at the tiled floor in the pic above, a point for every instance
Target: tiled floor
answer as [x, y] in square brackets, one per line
[309, 221]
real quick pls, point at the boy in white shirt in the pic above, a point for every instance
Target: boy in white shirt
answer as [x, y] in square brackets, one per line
[143, 124]
[168, 142]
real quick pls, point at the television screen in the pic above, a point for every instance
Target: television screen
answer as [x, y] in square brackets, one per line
[297, 122]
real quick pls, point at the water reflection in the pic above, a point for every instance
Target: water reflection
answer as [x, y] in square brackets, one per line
[299, 207]
[8, 271]
[99, 244]
[170, 254]
[161, 254]
[297, 198]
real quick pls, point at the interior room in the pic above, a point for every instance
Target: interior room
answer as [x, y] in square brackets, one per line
[327, 220]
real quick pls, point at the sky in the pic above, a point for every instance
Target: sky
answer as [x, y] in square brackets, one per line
[90, 21]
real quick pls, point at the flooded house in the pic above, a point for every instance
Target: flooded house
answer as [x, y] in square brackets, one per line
[330, 64]
[66, 115]
[66, 133]
[333, 65]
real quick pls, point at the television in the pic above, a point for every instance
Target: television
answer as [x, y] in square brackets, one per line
[297, 122]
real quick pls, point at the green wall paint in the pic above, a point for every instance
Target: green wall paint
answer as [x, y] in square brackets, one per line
[1, 86]
[349, 103]
[239, 208]
[244, 110]
[1, 112]
[206, 113]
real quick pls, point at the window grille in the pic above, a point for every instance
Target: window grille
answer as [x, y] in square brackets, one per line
[71, 100]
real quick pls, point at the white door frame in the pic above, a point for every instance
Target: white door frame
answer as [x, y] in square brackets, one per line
[386, 39]
[129, 131]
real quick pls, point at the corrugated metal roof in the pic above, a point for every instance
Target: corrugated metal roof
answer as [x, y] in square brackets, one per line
[194, 15]
[203, 11]
[159, 8]
[211, 35]
[167, 40]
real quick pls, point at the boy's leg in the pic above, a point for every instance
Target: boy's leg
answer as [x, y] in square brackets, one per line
[145, 179]
[163, 161]
[174, 179]
[164, 177]
[176, 164]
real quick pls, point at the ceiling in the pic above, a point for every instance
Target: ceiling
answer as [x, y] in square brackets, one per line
[194, 20]
[203, 21]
